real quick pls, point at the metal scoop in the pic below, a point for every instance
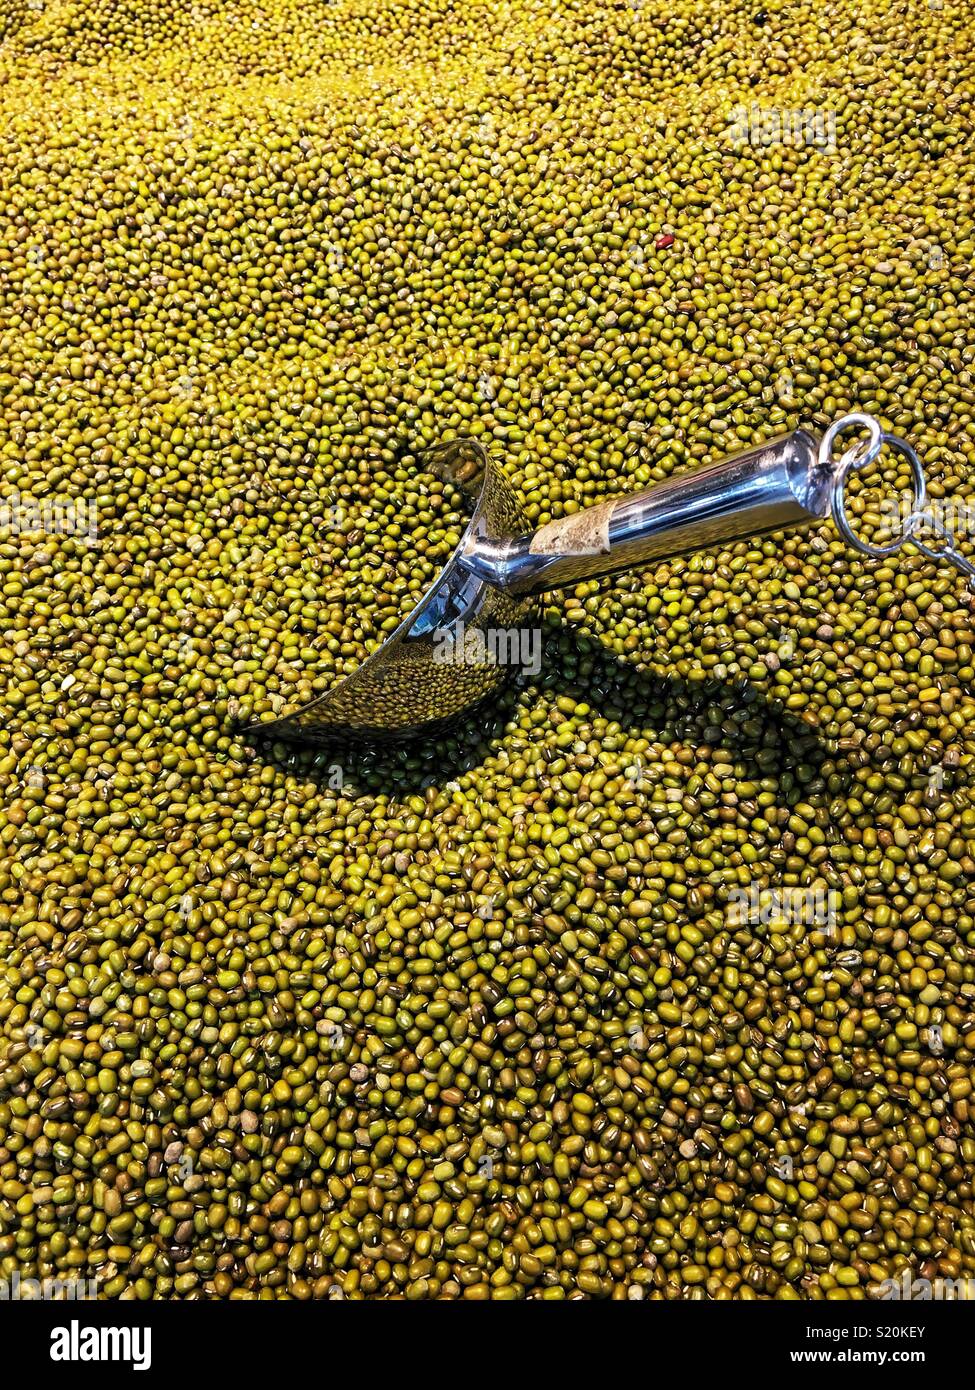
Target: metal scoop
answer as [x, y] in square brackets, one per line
[473, 627]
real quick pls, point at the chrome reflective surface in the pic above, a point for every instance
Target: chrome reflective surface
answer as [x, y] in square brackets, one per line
[418, 680]
[443, 658]
[777, 484]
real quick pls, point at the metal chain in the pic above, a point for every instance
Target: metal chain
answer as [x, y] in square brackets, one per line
[948, 552]
[863, 452]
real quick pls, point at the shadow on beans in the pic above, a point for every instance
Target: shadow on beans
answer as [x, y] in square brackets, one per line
[754, 732]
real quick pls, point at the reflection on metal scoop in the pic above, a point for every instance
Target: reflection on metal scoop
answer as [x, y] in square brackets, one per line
[468, 633]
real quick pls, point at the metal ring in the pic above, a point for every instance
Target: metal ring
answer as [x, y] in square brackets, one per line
[849, 463]
[864, 455]
[916, 518]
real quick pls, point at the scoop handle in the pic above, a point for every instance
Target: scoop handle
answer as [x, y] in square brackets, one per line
[778, 484]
